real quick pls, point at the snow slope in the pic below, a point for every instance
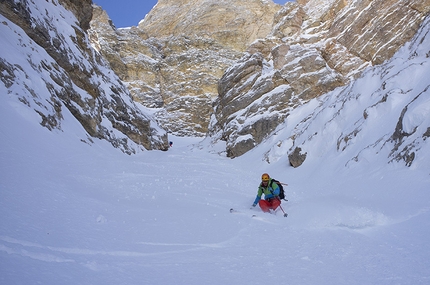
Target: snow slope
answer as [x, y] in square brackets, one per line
[77, 214]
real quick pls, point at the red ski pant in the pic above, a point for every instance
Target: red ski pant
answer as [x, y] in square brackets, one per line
[266, 205]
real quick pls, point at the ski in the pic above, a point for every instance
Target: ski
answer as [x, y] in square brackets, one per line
[239, 212]
[253, 215]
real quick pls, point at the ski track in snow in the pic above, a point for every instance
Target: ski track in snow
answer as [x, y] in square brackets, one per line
[31, 250]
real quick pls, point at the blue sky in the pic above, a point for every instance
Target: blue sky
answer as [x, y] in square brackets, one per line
[127, 13]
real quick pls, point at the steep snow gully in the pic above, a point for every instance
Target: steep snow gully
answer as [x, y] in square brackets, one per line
[81, 213]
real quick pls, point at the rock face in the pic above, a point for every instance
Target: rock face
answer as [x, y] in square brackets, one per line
[53, 43]
[234, 70]
[173, 65]
[230, 23]
[174, 70]
[315, 46]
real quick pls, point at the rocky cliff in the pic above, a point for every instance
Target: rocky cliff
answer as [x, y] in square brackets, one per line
[174, 59]
[231, 23]
[176, 76]
[234, 70]
[315, 47]
[48, 64]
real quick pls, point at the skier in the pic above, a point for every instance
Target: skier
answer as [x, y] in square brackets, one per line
[271, 194]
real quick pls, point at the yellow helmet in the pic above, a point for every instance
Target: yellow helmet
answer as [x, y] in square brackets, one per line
[265, 177]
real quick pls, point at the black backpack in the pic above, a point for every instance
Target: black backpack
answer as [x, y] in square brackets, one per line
[281, 188]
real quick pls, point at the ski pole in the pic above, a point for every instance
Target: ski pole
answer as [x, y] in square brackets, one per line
[285, 214]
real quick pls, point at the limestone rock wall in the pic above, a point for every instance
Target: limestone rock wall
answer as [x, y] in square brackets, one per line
[177, 76]
[315, 46]
[231, 23]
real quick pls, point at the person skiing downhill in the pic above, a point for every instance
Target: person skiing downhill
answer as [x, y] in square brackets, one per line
[271, 194]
